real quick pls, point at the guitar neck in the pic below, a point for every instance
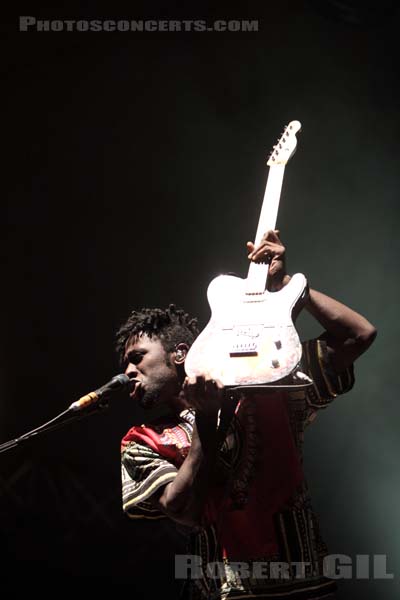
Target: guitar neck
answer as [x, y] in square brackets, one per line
[270, 205]
[258, 272]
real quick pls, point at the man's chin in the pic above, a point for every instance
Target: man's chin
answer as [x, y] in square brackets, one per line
[157, 412]
[147, 403]
[149, 400]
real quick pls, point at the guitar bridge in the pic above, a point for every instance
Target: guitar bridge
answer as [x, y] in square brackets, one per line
[245, 340]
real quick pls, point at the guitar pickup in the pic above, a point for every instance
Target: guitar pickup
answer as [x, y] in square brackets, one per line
[245, 340]
[244, 350]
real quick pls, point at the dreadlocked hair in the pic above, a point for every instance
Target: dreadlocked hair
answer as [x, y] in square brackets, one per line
[171, 326]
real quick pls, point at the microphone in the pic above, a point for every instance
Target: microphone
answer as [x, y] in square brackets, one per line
[116, 383]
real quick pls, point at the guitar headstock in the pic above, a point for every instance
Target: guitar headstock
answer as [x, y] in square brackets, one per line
[286, 145]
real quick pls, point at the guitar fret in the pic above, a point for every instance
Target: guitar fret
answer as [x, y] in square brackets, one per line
[257, 278]
[270, 205]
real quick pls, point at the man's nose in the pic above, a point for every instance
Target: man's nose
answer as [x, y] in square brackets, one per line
[131, 371]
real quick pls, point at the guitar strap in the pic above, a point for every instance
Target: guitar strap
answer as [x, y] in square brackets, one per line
[228, 409]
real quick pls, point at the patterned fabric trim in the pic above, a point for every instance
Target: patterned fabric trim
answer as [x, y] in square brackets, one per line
[144, 510]
[143, 472]
[322, 590]
[327, 383]
[299, 542]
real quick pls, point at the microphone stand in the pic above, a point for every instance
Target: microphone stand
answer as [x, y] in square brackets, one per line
[55, 423]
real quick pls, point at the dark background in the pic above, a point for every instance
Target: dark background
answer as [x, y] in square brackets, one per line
[134, 166]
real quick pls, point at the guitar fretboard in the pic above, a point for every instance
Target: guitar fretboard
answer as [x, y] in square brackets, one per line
[258, 272]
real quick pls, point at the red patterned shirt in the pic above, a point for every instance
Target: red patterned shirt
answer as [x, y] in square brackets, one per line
[259, 529]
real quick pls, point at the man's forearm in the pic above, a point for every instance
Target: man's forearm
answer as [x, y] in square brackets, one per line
[184, 498]
[338, 319]
[347, 333]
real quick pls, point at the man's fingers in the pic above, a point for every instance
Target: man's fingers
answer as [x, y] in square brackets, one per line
[213, 385]
[203, 393]
[250, 249]
[201, 384]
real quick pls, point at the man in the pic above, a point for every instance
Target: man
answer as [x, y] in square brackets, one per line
[237, 482]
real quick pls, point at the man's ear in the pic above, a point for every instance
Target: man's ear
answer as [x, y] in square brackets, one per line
[181, 351]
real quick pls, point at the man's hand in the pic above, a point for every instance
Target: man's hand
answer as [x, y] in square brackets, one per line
[184, 499]
[272, 251]
[203, 394]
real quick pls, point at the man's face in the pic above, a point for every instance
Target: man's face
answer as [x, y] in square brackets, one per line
[154, 368]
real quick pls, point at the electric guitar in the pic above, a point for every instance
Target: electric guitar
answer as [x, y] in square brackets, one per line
[250, 339]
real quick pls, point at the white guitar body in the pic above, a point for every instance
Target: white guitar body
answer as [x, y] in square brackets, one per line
[249, 340]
